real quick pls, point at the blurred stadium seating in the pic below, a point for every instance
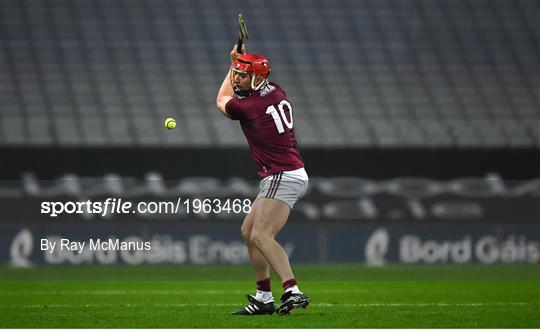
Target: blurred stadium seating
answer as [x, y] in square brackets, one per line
[360, 73]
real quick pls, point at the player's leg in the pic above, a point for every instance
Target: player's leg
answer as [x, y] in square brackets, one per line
[269, 218]
[260, 265]
[263, 301]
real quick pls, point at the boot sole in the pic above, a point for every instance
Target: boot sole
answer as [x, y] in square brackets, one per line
[287, 309]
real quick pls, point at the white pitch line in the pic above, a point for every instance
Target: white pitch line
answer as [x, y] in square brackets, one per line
[146, 292]
[425, 304]
[316, 305]
[120, 292]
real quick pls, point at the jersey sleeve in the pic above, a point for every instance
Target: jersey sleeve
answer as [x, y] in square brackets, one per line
[234, 110]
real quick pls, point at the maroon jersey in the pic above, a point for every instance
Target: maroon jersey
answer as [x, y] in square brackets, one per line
[266, 119]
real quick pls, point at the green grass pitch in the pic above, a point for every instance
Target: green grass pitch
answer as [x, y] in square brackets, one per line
[343, 296]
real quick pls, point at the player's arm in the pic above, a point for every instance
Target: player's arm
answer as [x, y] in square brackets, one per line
[225, 93]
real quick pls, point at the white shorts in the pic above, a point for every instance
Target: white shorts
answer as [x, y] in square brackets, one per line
[286, 186]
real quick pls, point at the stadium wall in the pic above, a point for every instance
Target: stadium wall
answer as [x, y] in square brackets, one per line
[210, 243]
[47, 163]
[452, 214]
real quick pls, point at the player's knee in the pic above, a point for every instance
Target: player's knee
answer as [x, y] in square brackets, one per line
[258, 238]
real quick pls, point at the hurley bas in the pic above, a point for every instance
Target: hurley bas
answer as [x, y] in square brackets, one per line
[111, 244]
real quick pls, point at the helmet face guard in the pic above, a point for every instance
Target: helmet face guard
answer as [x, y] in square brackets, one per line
[254, 65]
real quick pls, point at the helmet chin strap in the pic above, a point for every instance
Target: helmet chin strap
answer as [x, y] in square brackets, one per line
[259, 85]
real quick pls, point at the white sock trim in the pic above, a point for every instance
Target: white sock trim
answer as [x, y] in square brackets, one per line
[293, 289]
[264, 296]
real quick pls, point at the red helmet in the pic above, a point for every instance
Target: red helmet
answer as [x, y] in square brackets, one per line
[254, 65]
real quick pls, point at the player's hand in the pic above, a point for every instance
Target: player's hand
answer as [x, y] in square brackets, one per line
[234, 53]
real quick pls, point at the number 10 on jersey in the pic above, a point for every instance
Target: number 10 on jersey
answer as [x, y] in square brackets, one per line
[279, 120]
